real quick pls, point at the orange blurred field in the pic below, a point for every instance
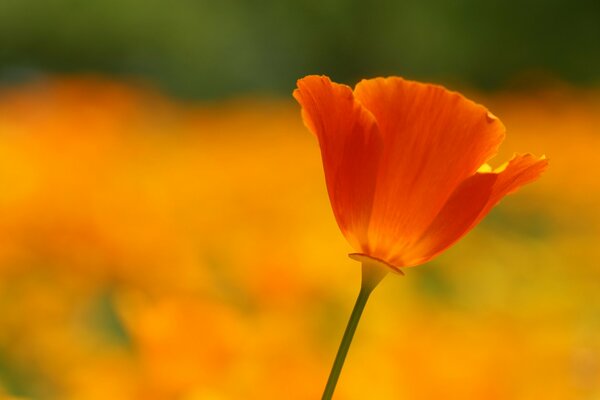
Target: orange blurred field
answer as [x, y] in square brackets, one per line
[155, 249]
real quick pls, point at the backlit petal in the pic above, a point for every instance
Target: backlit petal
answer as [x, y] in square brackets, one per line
[470, 203]
[433, 140]
[351, 147]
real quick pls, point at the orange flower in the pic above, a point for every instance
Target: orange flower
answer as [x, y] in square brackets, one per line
[405, 164]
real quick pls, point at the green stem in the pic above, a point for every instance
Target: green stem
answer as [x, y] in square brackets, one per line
[371, 276]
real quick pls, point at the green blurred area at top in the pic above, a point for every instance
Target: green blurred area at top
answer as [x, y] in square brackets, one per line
[221, 48]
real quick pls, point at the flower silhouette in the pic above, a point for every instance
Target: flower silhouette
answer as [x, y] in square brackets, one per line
[405, 164]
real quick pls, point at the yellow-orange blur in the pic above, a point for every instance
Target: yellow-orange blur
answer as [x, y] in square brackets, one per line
[151, 249]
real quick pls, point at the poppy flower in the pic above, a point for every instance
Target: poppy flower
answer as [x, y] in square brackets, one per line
[406, 164]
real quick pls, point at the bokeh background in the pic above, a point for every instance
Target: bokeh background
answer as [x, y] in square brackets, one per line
[165, 231]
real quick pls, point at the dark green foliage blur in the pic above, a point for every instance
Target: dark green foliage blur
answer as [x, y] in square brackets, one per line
[219, 48]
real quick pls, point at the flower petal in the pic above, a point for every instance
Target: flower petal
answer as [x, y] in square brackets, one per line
[351, 147]
[470, 202]
[433, 140]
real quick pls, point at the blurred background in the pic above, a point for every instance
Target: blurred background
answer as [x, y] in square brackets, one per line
[165, 231]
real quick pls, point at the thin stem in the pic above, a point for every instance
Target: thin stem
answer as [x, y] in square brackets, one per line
[371, 276]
